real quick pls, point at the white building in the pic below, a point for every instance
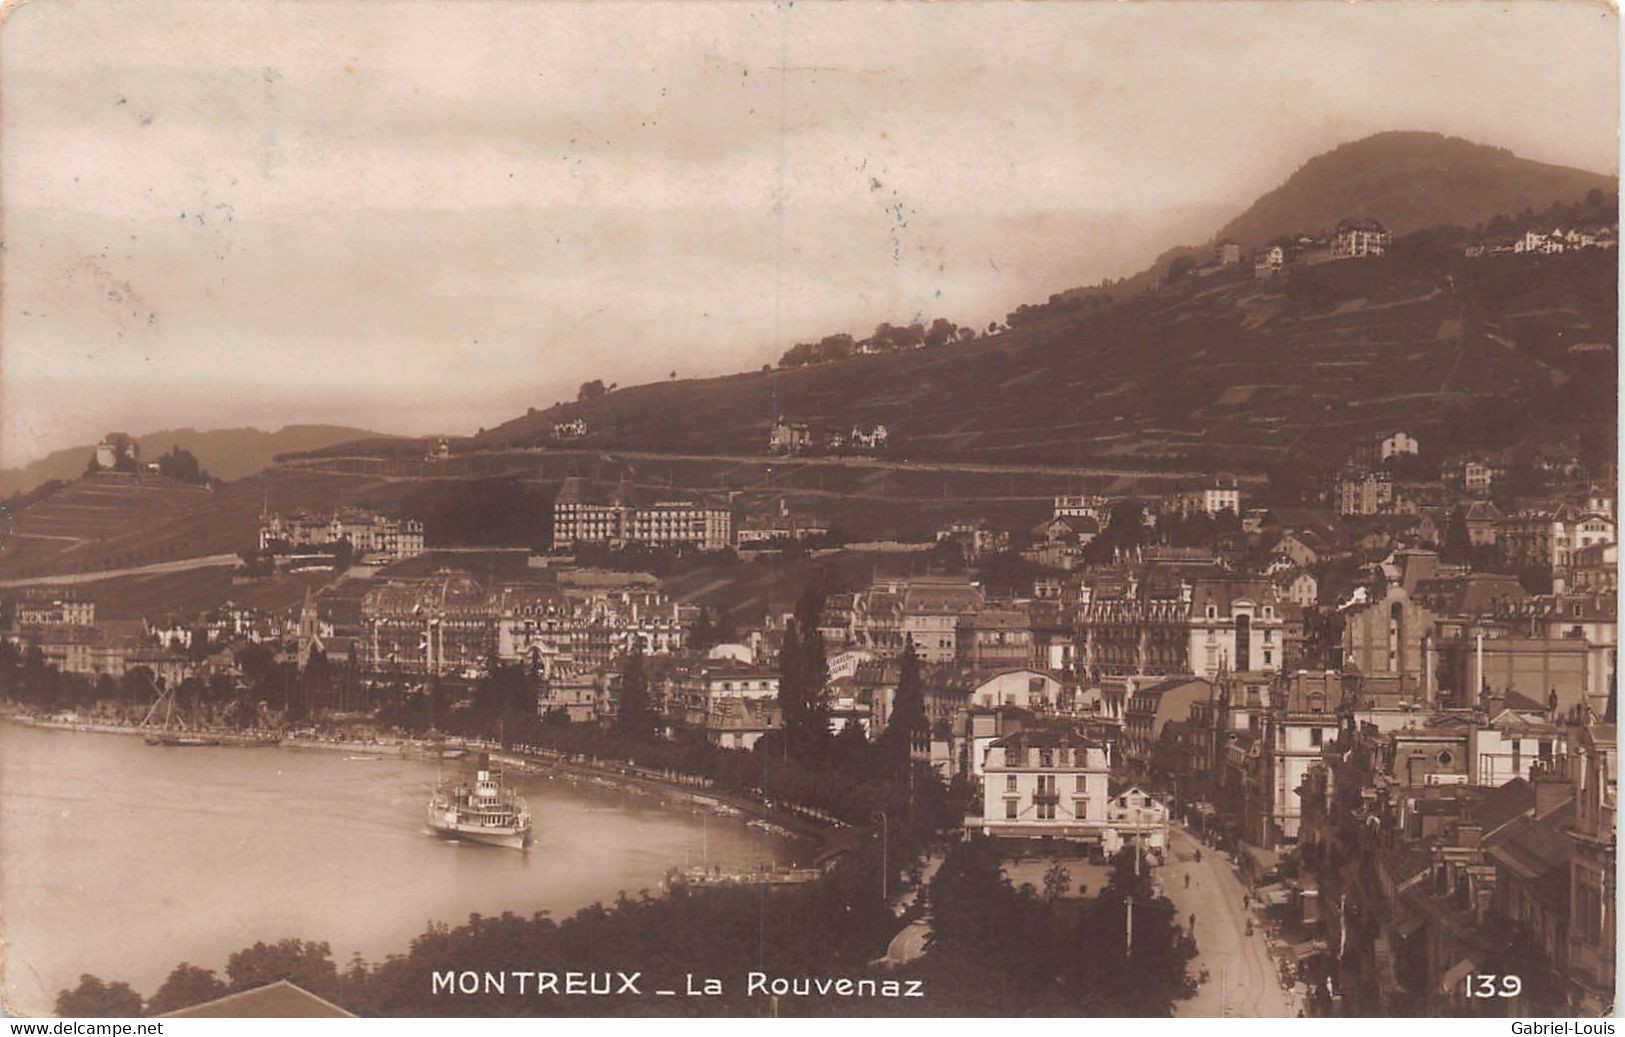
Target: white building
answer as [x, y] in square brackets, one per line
[366, 532]
[1397, 444]
[1222, 496]
[1511, 745]
[1045, 782]
[1081, 505]
[1029, 689]
[1301, 727]
[669, 523]
[1358, 239]
[1235, 625]
[1134, 816]
[64, 610]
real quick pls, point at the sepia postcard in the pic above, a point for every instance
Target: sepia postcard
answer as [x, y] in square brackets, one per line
[730, 508]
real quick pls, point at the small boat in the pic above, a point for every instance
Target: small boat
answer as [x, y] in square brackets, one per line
[486, 811]
[363, 759]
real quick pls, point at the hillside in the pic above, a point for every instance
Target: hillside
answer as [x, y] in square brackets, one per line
[1410, 181]
[1222, 373]
[225, 453]
[1268, 380]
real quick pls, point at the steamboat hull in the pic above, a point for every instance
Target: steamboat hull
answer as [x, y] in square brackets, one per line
[509, 838]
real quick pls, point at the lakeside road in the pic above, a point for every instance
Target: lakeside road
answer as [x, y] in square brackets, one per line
[1242, 977]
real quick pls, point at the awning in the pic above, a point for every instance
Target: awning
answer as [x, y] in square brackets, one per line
[1307, 949]
[1453, 976]
[1263, 860]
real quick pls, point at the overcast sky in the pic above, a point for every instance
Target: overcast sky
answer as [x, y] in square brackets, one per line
[427, 216]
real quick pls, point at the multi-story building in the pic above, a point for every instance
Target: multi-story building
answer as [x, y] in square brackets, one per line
[579, 519]
[993, 639]
[1082, 505]
[1511, 745]
[1591, 570]
[449, 623]
[1046, 781]
[1175, 621]
[1298, 731]
[1594, 770]
[1358, 239]
[42, 608]
[1235, 624]
[1392, 634]
[1150, 709]
[1364, 492]
[1223, 495]
[930, 609]
[1549, 536]
[367, 533]
[789, 437]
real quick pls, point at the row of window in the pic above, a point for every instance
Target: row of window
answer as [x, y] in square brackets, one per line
[1048, 757]
[1046, 783]
[1044, 811]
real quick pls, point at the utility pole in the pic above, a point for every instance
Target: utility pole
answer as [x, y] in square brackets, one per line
[884, 838]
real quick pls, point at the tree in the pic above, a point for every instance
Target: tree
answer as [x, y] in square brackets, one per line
[181, 465]
[1181, 268]
[590, 390]
[907, 719]
[306, 964]
[1057, 882]
[186, 986]
[804, 675]
[940, 333]
[94, 999]
[636, 716]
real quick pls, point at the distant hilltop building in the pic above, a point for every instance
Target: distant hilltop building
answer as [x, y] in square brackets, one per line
[859, 439]
[1220, 495]
[367, 533]
[1082, 505]
[1357, 239]
[789, 437]
[575, 428]
[118, 451]
[1353, 239]
[578, 518]
[1227, 253]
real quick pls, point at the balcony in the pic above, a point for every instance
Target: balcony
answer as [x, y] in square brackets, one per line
[1047, 796]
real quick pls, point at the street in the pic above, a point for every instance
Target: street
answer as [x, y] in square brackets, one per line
[1242, 977]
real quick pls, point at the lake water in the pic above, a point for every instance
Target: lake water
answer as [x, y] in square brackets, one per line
[122, 859]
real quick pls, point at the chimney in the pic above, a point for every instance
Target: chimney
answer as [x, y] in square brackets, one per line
[1552, 788]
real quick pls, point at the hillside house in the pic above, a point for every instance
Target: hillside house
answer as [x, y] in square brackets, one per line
[1269, 261]
[1359, 239]
[787, 437]
[575, 428]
